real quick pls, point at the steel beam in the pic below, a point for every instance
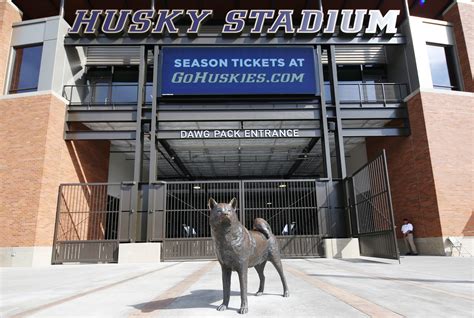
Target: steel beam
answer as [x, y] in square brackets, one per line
[152, 177]
[91, 116]
[176, 159]
[341, 160]
[138, 161]
[324, 119]
[61, 8]
[298, 162]
[217, 39]
[375, 132]
[153, 127]
[370, 113]
[238, 115]
[100, 135]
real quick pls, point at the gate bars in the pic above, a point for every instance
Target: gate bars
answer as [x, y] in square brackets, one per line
[289, 206]
[92, 218]
[371, 210]
[87, 223]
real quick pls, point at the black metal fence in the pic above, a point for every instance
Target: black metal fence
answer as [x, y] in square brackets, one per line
[289, 206]
[87, 223]
[93, 218]
[371, 210]
[187, 230]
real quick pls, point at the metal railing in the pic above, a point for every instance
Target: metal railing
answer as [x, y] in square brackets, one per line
[110, 95]
[116, 95]
[362, 93]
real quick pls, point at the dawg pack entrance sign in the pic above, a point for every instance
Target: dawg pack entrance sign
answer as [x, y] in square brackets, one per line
[238, 70]
[239, 133]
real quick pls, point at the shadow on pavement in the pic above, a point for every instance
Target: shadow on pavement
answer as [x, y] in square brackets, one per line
[358, 260]
[399, 279]
[200, 298]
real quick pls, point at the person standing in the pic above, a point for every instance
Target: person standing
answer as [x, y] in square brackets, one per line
[407, 230]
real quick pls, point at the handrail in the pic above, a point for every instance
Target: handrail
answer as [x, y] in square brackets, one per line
[369, 93]
[116, 94]
[104, 94]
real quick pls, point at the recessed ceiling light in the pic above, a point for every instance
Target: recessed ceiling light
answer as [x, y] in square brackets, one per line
[269, 203]
[196, 187]
[282, 185]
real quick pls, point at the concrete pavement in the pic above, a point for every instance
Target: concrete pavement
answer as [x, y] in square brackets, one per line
[420, 286]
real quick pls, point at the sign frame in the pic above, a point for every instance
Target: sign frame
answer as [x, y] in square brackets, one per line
[315, 60]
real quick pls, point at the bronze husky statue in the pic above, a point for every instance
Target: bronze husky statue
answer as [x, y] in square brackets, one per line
[238, 249]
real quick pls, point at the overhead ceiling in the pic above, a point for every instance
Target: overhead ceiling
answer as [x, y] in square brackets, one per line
[238, 158]
[45, 8]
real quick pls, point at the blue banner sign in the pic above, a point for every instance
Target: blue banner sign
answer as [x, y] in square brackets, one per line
[238, 71]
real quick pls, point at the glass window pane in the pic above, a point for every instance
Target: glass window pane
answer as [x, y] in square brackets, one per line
[123, 93]
[101, 93]
[439, 66]
[26, 69]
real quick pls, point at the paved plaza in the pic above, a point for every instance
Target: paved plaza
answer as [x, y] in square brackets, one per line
[420, 286]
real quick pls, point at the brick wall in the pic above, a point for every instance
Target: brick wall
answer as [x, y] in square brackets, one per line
[461, 15]
[431, 171]
[9, 14]
[34, 160]
[450, 128]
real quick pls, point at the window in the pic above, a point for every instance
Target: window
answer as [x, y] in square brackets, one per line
[441, 60]
[26, 68]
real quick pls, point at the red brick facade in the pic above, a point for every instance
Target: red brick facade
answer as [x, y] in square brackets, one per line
[461, 15]
[431, 171]
[8, 16]
[35, 159]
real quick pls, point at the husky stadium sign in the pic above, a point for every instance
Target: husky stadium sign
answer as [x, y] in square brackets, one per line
[313, 22]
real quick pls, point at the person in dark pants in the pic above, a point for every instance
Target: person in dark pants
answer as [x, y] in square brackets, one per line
[407, 230]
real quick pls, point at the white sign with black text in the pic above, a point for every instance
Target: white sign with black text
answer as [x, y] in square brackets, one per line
[239, 133]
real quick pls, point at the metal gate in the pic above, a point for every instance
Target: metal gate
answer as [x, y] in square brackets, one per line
[187, 229]
[289, 206]
[87, 223]
[371, 211]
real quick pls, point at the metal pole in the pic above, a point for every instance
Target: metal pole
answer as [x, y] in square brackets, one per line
[335, 94]
[61, 8]
[338, 137]
[406, 8]
[137, 169]
[152, 4]
[390, 204]
[324, 119]
[153, 150]
[320, 5]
